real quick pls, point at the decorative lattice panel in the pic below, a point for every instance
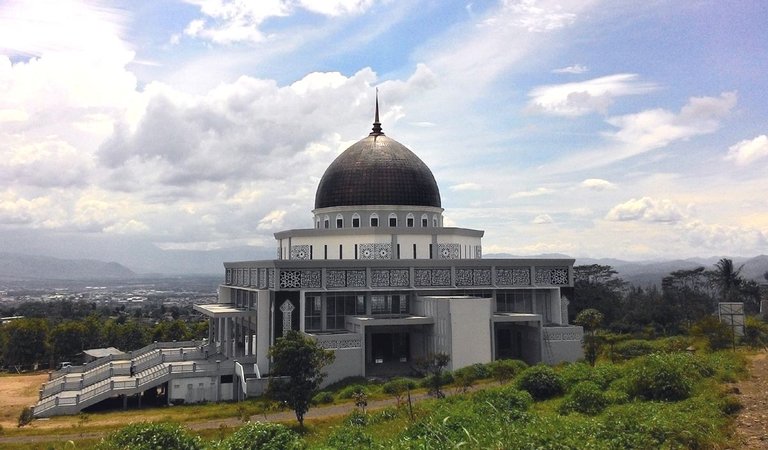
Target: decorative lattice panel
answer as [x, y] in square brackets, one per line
[356, 278]
[335, 278]
[311, 279]
[441, 277]
[422, 277]
[290, 279]
[555, 276]
[380, 278]
[478, 251]
[448, 251]
[518, 276]
[399, 277]
[300, 252]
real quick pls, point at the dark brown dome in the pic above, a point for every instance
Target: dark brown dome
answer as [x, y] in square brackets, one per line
[377, 170]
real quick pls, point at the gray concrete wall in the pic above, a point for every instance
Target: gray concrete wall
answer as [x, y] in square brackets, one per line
[562, 344]
[349, 362]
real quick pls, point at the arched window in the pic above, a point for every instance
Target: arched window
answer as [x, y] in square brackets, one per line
[409, 219]
[355, 220]
[434, 221]
[374, 220]
[317, 225]
[393, 220]
[326, 222]
[339, 221]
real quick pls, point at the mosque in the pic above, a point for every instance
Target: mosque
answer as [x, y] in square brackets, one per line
[377, 279]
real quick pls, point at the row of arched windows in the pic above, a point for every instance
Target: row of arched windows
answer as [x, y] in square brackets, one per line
[373, 221]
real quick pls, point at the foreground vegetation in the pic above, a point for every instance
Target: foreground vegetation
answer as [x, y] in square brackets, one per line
[666, 399]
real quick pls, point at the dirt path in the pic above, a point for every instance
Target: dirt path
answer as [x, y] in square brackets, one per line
[752, 421]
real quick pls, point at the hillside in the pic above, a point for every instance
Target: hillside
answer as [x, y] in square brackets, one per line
[15, 266]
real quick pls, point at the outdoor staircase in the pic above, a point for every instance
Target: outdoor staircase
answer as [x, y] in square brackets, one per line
[72, 389]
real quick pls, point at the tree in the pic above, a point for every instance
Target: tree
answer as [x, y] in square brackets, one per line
[590, 319]
[432, 367]
[67, 339]
[687, 298]
[301, 360]
[596, 286]
[26, 342]
[728, 280]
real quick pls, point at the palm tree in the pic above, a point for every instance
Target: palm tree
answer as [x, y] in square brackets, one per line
[728, 279]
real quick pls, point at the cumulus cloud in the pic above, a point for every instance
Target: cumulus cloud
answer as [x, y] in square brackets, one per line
[649, 130]
[532, 193]
[273, 220]
[748, 151]
[574, 69]
[584, 97]
[469, 186]
[657, 127]
[646, 209]
[733, 239]
[597, 184]
[542, 219]
[234, 21]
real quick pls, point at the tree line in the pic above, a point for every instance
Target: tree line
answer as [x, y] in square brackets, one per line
[684, 298]
[44, 341]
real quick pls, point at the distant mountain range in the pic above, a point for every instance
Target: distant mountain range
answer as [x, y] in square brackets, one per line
[15, 266]
[647, 273]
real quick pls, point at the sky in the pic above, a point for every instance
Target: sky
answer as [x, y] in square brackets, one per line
[632, 130]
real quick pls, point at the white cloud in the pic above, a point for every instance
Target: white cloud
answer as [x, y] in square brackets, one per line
[725, 238]
[273, 220]
[235, 21]
[649, 130]
[748, 151]
[575, 69]
[656, 128]
[584, 97]
[532, 193]
[597, 184]
[542, 219]
[533, 16]
[469, 186]
[646, 209]
[336, 7]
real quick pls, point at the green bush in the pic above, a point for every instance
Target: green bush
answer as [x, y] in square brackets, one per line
[482, 371]
[506, 399]
[541, 382]
[586, 397]
[465, 377]
[350, 391]
[350, 437]
[151, 436]
[322, 397]
[605, 374]
[661, 377]
[26, 416]
[398, 385]
[673, 344]
[633, 348]
[575, 373]
[504, 370]
[262, 436]
[717, 334]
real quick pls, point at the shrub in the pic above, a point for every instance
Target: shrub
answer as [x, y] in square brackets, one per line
[633, 348]
[575, 373]
[673, 344]
[151, 436]
[262, 436]
[586, 397]
[541, 382]
[26, 416]
[504, 370]
[357, 418]
[398, 386]
[605, 374]
[465, 377]
[717, 334]
[507, 399]
[755, 332]
[482, 371]
[350, 437]
[351, 390]
[660, 377]
[322, 398]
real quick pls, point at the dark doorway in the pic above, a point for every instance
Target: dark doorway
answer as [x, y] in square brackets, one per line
[509, 343]
[390, 347]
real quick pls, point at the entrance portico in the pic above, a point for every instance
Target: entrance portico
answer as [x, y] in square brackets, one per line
[231, 330]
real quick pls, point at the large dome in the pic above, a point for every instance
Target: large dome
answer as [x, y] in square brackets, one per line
[377, 170]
